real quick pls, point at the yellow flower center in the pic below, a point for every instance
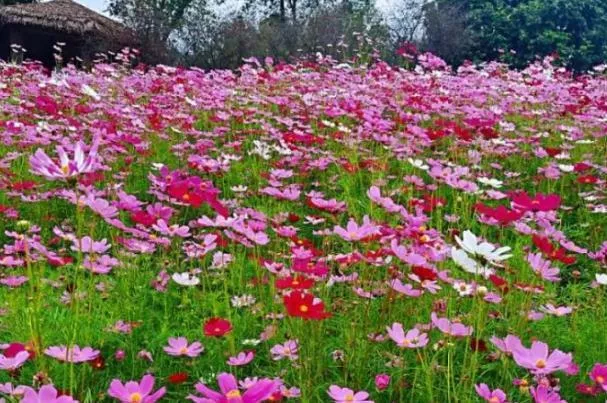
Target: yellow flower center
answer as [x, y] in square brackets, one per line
[65, 169]
[349, 397]
[304, 308]
[494, 400]
[600, 379]
[233, 394]
[540, 364]
[135, 397]
[183, 350]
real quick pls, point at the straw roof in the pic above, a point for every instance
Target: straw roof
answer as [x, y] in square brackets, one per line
[66, 16]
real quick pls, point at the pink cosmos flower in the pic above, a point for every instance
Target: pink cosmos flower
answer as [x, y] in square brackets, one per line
[495, 396]
[543, 268]
[13, 363]
[256, 392]
[73, 354]
[355, 232]
[136, 392]
[345, 395]
[557, 310]
[179, 347]
[241, 359]
[412, 339]
[42, 164]
[46, 394]
[451, 328]
[507, 344]
[543, 394]
[88, 245]
[538, 360]
[286, 350]
[406, 289]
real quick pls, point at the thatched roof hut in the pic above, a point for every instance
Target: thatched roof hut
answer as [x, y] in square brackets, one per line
[38, 26]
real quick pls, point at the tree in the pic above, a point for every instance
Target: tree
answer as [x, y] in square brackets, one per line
[446, 32]
[12, 2]
[521, 30]
[152, 20]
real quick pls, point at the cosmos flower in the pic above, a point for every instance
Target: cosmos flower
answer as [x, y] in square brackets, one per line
[41, 164]
[73, 354]
[412, 339]
[13, 363]
[46, 394]
[256, 392]
[179, 347]
[495, 396]
[305, 305]
[543, 394]
[355, 232]
[186, 279]
[538, 360]
[286, 350]
[136, 392]
[217, 327]
[345, 395]
[450, 328]
[241, 359]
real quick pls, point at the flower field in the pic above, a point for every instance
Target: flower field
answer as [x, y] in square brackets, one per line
[313, 232]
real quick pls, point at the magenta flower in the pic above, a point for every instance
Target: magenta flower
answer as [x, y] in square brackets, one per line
[345, 395]
[179, 347]
[136, 392]
[256, 392]
[495, 396]
[13, 363]
[451, 328]
[46, 394]
[599, 375]
[42, 164]
[89, 245]
[537, 360]
[543, 394]
[73, 354]
[382, 381]
[241, 359]
[412, 339]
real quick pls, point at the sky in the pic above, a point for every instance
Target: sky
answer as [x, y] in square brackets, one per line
[97, 5]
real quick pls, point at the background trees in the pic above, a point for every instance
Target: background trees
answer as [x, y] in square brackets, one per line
[203, 33]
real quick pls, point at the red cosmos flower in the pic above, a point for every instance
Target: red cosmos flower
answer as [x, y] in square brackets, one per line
[217, 327]
[24, 185]
[551, 252]
[429, 203]
[307, 266]
[144, 218]
[188, 192]
[58, 261]
[581, 167]
[587, 179]
[501, 214]
[552, 151]
[424, 273]
[178, 378]
[15, 348]
[98, 363]
[499, 282]
[540, 202]
[305, 305]
[296, 282]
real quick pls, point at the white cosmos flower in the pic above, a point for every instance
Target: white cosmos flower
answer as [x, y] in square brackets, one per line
[601, 278]
[185, 279]
[461, 258]
[566, 167]
[485, 250]
[418, 164]
[494, 183]
[475, 255]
